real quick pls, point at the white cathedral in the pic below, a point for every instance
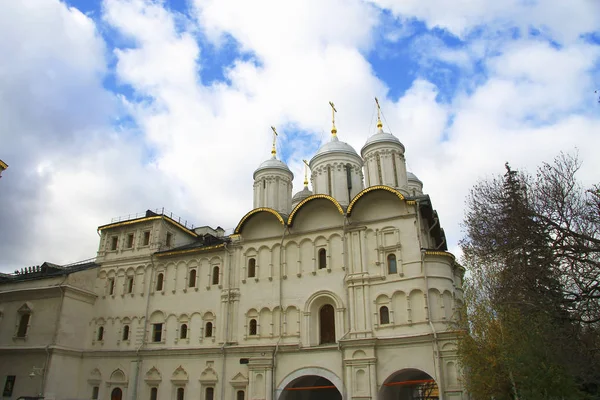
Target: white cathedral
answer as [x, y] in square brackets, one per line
[343, 292]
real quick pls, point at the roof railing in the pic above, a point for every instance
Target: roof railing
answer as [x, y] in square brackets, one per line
[158, 211]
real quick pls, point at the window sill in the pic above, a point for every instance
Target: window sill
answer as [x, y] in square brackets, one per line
[20, 338]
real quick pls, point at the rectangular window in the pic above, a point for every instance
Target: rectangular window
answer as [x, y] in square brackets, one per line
[154, 393]
[130, 241]
[169, 239]
[9, 385]
[146, 240]
[23, 325]
[180, 394]
[130, 284]
[157, 332]
[95, 392]
[210, 394]
[114, 240]
[111, 286]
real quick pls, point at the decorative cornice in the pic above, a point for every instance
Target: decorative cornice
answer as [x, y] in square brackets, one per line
[440, 253]
[146, 219]
[187, 251]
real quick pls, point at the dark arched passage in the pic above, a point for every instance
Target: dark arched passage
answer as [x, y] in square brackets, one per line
[311, 387]
[409, 384]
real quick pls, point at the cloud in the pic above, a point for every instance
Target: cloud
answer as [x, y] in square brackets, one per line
[81, 151]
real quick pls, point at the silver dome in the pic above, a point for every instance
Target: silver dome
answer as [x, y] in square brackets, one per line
[412, 177]
[301, 195]
[273, 163]
[380, 137]
[335, 146]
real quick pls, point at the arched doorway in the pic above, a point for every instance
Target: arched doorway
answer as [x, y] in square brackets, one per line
[310, 387]
[409, 384]
[326, 324]
[116, 394]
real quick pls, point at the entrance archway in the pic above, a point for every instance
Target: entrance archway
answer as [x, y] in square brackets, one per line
[116, 394]
[311, 387]
[409, 384]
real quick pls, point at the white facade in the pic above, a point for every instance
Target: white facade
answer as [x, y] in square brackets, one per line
[349, 295]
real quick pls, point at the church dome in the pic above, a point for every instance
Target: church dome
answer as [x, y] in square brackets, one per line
[412, 177]
[381, 137]
[301, 195]
[335, 146]
[272, 163]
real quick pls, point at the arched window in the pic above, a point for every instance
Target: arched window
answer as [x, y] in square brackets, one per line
[252, 328]
[327, 324]
[240, 395]
[322, 258]
[384, 315]
[154, 394]
[391, 262]
[215, 277]
[111, 286]
[126, 332]
[159, 282]
[183, 331]
[251, 268]
[101, 333]
[208, 330]
[192, 278]
[209, 394]
[180, 394]
[23, 325]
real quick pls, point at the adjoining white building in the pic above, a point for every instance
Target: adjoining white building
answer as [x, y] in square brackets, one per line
[345, 292]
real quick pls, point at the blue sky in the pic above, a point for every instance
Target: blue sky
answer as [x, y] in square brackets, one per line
[111, 107]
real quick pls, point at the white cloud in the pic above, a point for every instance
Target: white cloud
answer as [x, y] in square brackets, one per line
[195, 146]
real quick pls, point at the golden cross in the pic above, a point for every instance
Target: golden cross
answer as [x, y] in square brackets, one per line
[275, 134]
[333, 111]
[379, 124]
[305, 172]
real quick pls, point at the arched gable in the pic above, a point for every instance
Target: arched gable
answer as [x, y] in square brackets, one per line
[245, 218]
[309, 199]
[370, 189]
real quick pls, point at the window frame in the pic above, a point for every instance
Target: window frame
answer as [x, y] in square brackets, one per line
[157, 331]
[251, 267]
[322, 258]
[192, 283]
[183, 331]
[216, 277]
[253, 327]
[100, 334]
[114, 243]
[160, 278]
[130, 241]
[126, 333]
[382, 314]
[388, 258]
[208, 333]
[23, 329]
[146, 238]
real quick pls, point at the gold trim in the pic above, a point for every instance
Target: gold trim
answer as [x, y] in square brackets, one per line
[439, 253]
[135, 221]
[3, 165]
[411, 202]
[369, 189]
[314, 196]
[257, 210]
[170, 253]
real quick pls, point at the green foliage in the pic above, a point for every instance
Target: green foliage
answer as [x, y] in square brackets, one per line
[530, 318]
